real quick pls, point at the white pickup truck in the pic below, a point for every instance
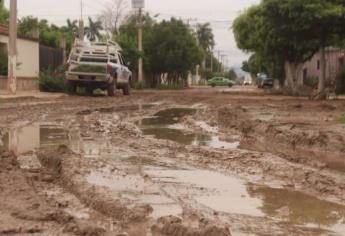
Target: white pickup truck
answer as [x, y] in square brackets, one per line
[97, 66]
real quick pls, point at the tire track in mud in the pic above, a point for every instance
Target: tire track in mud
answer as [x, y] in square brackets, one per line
[263, 167]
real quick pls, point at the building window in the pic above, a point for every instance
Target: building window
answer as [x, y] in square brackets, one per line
[318, 65]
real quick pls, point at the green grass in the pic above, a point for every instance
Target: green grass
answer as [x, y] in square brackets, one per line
[90, 69]
[170, 86]
[140, 85]
[342, 119]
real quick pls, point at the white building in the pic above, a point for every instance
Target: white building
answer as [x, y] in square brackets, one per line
[27, 69]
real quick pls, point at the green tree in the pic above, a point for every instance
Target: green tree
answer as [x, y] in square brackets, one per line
[4, 14]
[205, 36]
[128, 38]
[171, 49]
[93, 30]
[230, 74]
[26, 25]
[71, 27]
[289, 31]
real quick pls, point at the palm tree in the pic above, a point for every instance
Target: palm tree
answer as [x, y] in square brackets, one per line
[72, 26]
[93, 30]
[205, 36]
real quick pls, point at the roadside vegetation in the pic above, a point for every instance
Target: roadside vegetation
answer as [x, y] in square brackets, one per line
[50, 83]
[283, 34]
[172, 50]
[342, 119]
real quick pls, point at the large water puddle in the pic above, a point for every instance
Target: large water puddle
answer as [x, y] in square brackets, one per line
[138, 190]
[230, 195]
[167, 188]
[165, 125]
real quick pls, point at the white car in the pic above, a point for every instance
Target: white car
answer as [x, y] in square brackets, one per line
[97, 65]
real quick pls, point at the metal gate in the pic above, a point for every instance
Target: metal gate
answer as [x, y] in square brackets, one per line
[50, 58]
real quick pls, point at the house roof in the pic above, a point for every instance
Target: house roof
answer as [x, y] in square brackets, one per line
[4, 31]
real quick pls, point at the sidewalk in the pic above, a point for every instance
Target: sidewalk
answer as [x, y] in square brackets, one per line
[30, 94]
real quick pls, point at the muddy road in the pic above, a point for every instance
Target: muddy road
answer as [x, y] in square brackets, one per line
[192, 162]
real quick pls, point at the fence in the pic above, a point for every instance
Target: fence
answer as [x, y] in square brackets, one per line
[50, 58]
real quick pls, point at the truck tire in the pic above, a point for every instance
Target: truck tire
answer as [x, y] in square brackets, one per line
[126, 90]
[112, 89]
[71, 86]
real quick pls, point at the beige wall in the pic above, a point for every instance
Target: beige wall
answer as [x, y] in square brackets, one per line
[333, 64]
[28, 57]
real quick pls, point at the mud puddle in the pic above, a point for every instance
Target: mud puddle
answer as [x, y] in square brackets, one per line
[137, 190]
[170, 189]
[229, 195]
[165, 125]
[33, 136]
[25, 140]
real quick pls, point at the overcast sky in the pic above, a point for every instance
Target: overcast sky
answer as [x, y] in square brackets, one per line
[219, 12]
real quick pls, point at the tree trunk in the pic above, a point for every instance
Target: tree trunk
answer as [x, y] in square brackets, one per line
[322, 79]
[293, 76]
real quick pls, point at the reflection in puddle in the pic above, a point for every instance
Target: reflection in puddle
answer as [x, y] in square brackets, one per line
[214, 190]
[136, 189]
[28, 138]
[230, 195]
[49, 135]
[299, 208]
[164, 125]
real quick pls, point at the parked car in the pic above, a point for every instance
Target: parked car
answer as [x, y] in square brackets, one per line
[247, 80]
[220, 81]
[97, 66]
[263, 81]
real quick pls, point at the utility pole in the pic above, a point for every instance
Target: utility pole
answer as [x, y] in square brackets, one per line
[223, 56]
[81, 22]
[140, 46]
[12, 49]
[219, 63]
[139, 4]
[211, 61]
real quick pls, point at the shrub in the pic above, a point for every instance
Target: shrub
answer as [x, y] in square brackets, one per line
[340, 82]
[3, 59]
[342, 119]
[311, 81]
[48, 83]
[140, 85]
[174, 86]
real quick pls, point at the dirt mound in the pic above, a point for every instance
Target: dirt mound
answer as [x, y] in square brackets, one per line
[171, 225]
[71, 169]
[22, 210]
[294, 140]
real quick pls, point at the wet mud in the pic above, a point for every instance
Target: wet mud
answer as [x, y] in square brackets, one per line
[178, 165]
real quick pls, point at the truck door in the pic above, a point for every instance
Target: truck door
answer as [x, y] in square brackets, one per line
[124, 72]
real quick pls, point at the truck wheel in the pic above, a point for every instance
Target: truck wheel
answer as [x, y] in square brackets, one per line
[126, 90]
[112, 89]
[71, 87]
